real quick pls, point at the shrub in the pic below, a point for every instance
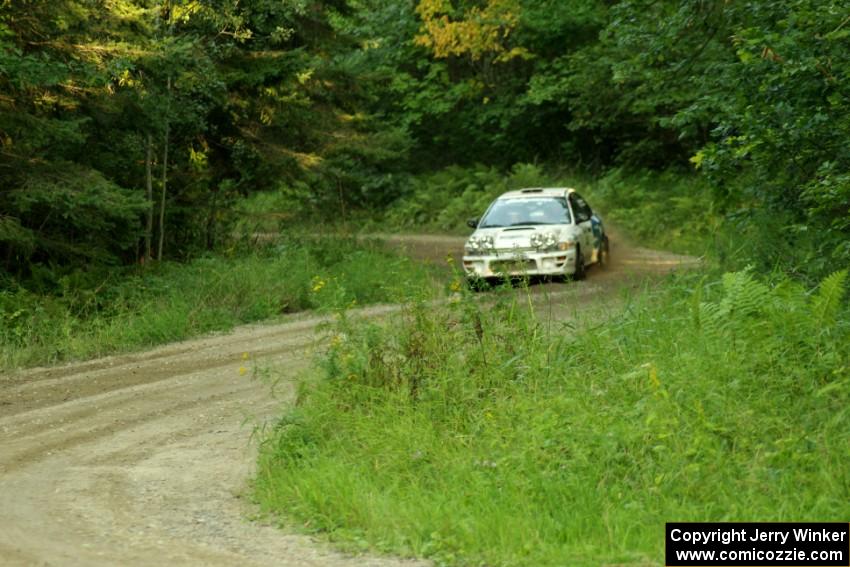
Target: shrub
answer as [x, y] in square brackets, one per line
[446, 199]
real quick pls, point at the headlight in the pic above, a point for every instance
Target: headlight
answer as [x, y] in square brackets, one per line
[479, 244]
[545, 240]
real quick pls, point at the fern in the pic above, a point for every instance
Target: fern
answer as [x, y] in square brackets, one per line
[710, 316]
[827, 300]
[743, 296]
[786, 309]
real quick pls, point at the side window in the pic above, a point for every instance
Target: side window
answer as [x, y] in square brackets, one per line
[580, 208]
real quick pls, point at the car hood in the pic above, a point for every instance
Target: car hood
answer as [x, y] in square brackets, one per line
[511, 237]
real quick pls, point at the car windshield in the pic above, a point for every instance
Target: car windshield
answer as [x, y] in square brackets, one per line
[519, 212]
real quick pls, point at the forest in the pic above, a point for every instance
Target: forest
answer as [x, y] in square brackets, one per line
[131, 129]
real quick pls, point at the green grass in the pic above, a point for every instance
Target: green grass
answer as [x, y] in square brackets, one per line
[135, 309]
[478, 435]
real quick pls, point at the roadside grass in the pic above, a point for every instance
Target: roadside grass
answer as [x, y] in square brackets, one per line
[136, 308]
[477, 434]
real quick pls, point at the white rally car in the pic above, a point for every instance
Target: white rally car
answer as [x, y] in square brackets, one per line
[535, 232]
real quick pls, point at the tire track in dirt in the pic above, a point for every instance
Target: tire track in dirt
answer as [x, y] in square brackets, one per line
[144, 458]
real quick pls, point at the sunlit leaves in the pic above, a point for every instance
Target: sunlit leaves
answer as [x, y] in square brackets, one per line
[479, 32]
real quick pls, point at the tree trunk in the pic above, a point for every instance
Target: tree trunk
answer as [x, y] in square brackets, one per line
[164, 172]
[211, 221]
[341, 202]
[149, 194]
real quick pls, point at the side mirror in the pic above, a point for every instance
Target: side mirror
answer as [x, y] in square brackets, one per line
[472, 223]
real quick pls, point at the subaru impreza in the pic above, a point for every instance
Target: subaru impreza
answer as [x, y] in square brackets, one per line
[549, 232]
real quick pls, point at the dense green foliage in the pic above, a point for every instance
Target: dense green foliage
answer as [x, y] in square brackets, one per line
[107, 108]
[485, 435]
[103, 312]
[335, 103]
[751, 94]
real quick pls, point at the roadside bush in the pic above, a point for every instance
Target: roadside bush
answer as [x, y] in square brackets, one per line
[668, 210]
[478, 434]
[444, 200]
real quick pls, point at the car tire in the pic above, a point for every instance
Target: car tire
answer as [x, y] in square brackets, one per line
[580, 270]
[604, 259]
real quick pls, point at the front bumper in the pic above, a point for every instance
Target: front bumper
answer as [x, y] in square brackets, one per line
[556, 263]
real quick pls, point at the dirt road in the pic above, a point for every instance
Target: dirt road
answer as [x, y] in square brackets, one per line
[144, 459]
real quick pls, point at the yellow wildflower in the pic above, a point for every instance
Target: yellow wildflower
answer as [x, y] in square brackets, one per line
[653, 375]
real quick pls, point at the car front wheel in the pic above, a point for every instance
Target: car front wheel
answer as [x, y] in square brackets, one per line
[579, 272]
